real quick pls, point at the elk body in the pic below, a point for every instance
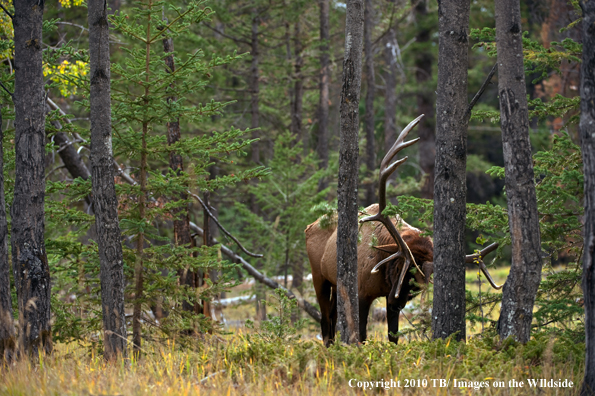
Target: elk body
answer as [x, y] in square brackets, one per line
[390, 254]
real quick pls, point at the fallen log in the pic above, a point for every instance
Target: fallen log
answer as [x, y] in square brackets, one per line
[305, 305]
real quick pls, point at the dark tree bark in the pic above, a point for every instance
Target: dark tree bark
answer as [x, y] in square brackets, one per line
[105, 202]
[425, 100]
[370, 187]
[448, 314]
[347, 229]
[523, 280]
[7, 333]
[298, 90]
[325, 76]
[176, 163]
[30, 265]
[587, 132]
[390, 97]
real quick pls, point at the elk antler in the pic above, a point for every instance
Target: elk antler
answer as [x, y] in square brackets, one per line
[477, 259]
[385, 171]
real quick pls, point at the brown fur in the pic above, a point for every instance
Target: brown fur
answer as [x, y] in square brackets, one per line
[321, 245]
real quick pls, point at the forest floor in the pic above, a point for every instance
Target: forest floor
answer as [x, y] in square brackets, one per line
[244, 361]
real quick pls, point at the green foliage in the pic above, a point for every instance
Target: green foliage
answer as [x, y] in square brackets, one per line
[285, 198]
[280, 328]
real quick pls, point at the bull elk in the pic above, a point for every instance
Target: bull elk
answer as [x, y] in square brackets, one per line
[387, 252]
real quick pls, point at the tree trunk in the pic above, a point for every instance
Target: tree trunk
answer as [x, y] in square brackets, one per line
[176, 163]
[142, 201]
[30, 264]
[105, 202]
[448, 314]
[523, 280]
[587, 132]
[347, 229]
[370, 187]
[325, 76]
[261, 313]
[390, 97]
[298, 90]
[425, 100]
[254, 88]
[7, 333]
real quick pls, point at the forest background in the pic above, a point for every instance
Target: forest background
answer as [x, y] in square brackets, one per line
[258, 144]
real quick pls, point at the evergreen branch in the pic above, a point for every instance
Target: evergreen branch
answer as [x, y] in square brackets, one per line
[6, 89]
[223, 229]
[170, 24]
[130, 32]
[6, 11]
[481, 90]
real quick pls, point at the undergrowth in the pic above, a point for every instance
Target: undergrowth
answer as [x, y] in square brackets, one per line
[243, 364]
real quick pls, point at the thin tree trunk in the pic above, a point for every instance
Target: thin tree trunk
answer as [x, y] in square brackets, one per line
[370, 187]
[255, 123]
[587, 132]
[298, 90]
[142, 198]
[425, 100]
[105, 202]
[390, 97]
[448, 314]
[176, 163]
[325, 76]
[518, 295]
[207, 240]
[7, 333]
[254, 88]
[30, 264]
[347, 228]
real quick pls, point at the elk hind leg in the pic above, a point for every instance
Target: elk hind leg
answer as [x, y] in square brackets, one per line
[325, 299]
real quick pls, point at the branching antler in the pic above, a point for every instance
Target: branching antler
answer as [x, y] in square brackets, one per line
[477, 259]
[386, 169]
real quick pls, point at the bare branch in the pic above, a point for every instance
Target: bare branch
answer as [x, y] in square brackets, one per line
[305, 305]
[6, 11]
[481, 90]
[223, 229]
[6, 89]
